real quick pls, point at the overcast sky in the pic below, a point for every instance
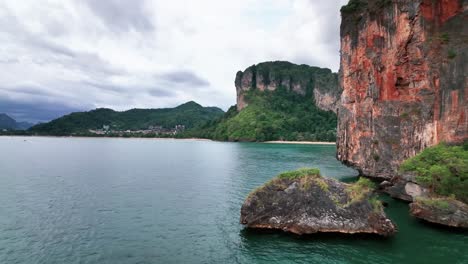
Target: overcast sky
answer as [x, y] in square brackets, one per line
[60, 56]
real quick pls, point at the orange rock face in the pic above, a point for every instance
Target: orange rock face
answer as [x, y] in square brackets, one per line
[404, 74]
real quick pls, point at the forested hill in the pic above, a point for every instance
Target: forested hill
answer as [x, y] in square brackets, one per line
[189, 115]
[279, 101]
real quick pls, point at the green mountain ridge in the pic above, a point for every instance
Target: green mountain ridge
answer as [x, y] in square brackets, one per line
[278, 115]
[189, 115]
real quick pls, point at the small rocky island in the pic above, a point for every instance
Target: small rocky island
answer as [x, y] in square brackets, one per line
[304, 202]
[443, 210]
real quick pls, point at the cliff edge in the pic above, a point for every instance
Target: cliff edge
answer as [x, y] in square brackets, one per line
[404, 74]
[320, 83]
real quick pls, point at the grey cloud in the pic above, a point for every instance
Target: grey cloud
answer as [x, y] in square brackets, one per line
[105, 87]
[153, 91]
[86, 62]
[36, 111]
[157, 92]
[91, 63]
[8, 60]
[38, 42]
[305, 59]
[185, 78]
[42, 48]
[122, 15]
[29, 90]
[330, 23]
[13, 25]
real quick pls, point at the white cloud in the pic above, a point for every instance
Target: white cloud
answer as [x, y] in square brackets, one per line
[154, 53]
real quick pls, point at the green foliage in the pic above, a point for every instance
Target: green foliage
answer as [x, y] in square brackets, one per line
[189, 114]
[440, 203]
[296, 174]
[383, 3]
[306, 175]
[376, 204]
[360, 189]
[364, 183]
[451, 54]
[284, 71]
[278, 115]
[445, 38]
[442, 168]
[322, 184]
[353, 6]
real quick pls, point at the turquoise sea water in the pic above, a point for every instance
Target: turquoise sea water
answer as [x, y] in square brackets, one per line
[85, 200]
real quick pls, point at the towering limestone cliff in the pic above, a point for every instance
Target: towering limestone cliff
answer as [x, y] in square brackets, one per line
[280, 101]
[404, 74]
[321, 84]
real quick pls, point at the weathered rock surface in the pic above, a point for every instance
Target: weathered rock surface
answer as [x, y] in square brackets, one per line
[320, 84]
[442, 211]
[405, 187]
[309, 205]
[404, 74]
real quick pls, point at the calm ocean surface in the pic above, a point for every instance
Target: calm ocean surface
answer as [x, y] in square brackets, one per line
[81, 200]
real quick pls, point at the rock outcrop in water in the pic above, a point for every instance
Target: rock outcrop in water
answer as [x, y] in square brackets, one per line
[404, 74]
[426, 205]
[321, 84]
[444, 211]
[405, 187]
[436, 182]
[303, 202]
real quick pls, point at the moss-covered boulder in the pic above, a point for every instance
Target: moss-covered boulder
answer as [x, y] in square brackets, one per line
[441, 210]
[304, 202]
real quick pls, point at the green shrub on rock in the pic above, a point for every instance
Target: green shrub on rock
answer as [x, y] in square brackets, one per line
[353, 6]
[443, 169]
[299, 173]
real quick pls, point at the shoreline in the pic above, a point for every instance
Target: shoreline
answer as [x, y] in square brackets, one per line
[181, 139]
[149, 138]
[300, 142]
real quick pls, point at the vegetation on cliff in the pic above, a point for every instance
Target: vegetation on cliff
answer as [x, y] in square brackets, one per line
[189, 115]
[283, 73]
[443, 169]
[353, 6]
[273, 115]
[358, 5]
